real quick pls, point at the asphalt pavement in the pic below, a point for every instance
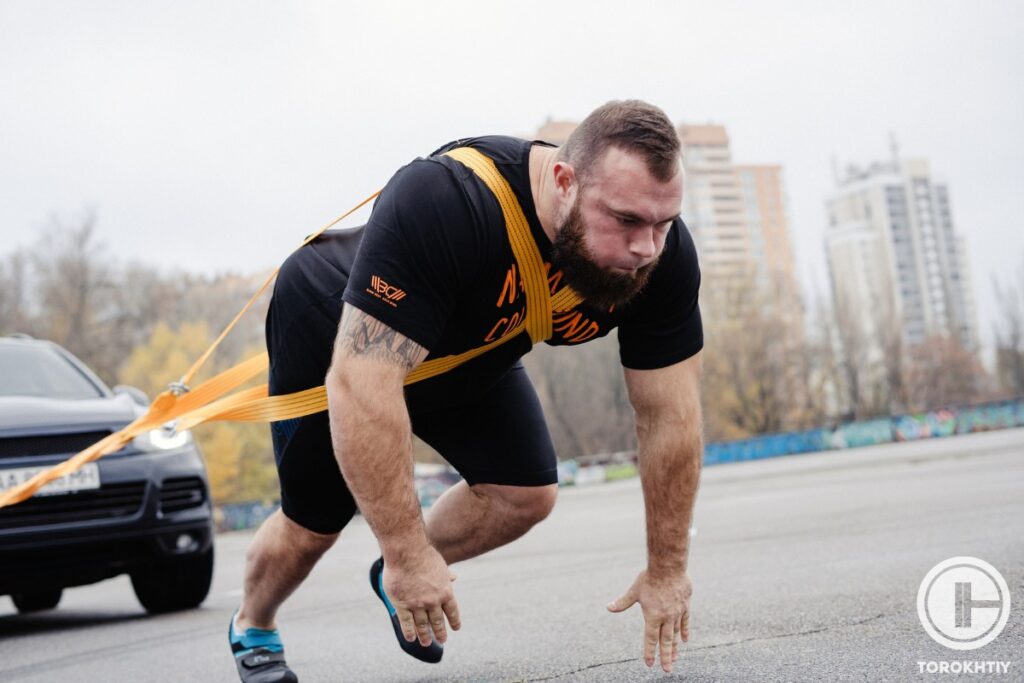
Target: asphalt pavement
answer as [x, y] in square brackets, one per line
[806, 568]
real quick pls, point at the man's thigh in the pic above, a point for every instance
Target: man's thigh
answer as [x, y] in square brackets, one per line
[301, 326]
[500, 437]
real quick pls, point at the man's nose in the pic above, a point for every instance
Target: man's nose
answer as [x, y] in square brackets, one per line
[641, 244]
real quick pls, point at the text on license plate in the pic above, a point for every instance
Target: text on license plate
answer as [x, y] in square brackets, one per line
[88, 477]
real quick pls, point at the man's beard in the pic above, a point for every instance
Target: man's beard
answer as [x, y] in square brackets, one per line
[600, 287]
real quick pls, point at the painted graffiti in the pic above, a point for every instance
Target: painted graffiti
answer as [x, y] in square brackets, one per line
[927, 425]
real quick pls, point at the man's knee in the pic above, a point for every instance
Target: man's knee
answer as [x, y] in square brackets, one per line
[524, 505]
[299, 540]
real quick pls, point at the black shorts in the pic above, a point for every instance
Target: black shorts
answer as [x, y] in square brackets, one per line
[495, 434]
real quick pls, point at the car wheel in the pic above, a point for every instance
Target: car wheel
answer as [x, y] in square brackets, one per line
[37, 601]
[177, 584]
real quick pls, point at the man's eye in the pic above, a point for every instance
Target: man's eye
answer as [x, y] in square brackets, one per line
[627, 221]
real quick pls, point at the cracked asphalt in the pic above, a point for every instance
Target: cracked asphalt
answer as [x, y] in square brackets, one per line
[805, 568]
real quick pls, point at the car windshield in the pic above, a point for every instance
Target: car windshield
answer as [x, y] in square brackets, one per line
[31, 370]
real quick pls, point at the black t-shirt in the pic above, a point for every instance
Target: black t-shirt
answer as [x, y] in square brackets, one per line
[435, 264]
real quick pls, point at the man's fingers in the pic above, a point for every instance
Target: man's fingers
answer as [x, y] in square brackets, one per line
[623, 603]
[675, 641]
[451, 610]
[436, 616]
[422, 626]
[667, 639]
[408, 625]
[684, 625]
[651, 633]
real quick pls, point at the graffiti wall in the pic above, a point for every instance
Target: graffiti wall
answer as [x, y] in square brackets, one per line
[927, 425]
[237, 516]
[767, 446]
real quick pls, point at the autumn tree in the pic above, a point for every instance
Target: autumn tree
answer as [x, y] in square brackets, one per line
[136, 325]
[238, 456]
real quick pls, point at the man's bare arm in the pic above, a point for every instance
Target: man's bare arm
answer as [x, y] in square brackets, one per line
[372, 438]
[370, 427]
[670, 441]
[669, 432]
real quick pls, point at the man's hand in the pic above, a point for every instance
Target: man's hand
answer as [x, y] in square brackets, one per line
[665, 601]
[419, 586]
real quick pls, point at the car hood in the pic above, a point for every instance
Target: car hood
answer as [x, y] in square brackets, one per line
[29, 414]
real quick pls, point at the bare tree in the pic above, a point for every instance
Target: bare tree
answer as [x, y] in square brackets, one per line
[756, 359]
[862, 372]
[894, 392]
[583, 394]
[944, 373]
[74, 282]
[1010, 334]
[815, 366]
[14, 313]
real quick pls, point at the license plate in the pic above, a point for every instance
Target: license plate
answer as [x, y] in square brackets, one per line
[88, 477]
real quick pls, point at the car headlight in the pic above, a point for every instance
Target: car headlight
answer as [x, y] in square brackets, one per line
[163, 439]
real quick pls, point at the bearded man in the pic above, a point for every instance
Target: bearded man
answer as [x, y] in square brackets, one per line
[416, 324]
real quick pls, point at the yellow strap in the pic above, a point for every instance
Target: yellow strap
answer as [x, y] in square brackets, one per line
[203, 404]
[187, 377]
[165, 408]
[524, 247]
[566, 300]
[539, 302]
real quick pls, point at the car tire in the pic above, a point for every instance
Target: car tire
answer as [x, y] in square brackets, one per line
[178, 584]
[37, 601]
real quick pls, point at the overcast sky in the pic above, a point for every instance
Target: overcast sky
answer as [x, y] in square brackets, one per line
[213, 136]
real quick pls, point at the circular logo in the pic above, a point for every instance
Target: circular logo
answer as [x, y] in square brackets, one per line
[963, 603]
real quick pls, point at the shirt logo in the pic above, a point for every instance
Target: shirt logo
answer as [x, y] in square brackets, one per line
[385, 292]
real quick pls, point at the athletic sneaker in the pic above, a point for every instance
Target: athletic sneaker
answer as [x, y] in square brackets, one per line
[431, 653]
[259, 655]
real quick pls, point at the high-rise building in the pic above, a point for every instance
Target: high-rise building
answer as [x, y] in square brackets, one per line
[894, 256]
[713, 203]
[736, 213]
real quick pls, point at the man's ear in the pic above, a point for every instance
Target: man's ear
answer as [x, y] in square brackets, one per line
[565, 178]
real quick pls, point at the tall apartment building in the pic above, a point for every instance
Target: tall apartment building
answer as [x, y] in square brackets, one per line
[894, 256]
[736, 213]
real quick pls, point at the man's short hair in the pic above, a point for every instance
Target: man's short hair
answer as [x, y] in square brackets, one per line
[631, 125]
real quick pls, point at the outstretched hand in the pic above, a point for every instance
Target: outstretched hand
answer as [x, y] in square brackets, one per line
[665, 601]
[421, 591]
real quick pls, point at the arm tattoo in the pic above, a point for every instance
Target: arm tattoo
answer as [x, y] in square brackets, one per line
[363, 335]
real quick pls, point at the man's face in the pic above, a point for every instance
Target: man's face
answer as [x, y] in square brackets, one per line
[615, 229]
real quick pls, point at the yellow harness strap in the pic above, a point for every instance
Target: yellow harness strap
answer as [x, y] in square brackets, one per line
[203, 403]
[539, 302]
[531, 265]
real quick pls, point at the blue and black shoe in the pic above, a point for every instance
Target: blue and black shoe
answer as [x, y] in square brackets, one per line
[259, 655]
[431, 653]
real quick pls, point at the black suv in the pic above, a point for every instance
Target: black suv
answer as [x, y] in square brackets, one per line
[144, 510]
